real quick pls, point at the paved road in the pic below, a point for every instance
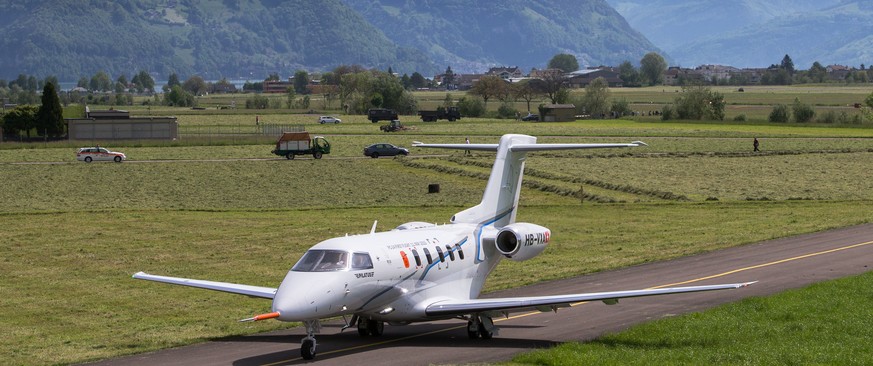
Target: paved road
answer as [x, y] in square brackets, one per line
[778, 265]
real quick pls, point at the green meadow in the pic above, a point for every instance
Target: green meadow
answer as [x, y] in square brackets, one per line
[225, 209]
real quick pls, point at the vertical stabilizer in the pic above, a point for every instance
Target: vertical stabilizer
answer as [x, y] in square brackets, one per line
[500, 200]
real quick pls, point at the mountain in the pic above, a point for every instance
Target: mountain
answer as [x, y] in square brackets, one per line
[756, 33]
[253, 38]
[229, 38]
[471, 36]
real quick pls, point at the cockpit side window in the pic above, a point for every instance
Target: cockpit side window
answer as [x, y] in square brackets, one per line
[324, 261]
[361, 261]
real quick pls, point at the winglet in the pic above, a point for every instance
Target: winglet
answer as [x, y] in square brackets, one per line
[373, 229]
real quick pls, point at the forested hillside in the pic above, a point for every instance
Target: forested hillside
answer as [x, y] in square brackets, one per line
[755, 33]
[472, 35]
[253, 38]
[230, 38]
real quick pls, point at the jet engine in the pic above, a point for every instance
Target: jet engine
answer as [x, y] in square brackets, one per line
[522, 241]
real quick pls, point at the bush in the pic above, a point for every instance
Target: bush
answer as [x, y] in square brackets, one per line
[740, 118]
[257, 101]
[779, 113]
[506, 110]
[802, 112]
[828, 117]
[620, 107]
[471, 107]
[667, 112]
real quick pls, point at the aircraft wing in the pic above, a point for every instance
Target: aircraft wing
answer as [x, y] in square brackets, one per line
[547, 303]
[253, 291]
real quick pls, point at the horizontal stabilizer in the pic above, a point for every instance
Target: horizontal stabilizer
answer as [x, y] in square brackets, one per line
[254, 291]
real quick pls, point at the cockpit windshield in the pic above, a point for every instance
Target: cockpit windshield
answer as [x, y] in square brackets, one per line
[331, 260]
[322, 261]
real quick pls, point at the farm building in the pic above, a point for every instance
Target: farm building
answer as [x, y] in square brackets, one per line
[119, 125]
[558, 113]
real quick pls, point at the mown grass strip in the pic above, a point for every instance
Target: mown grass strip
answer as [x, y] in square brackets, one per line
[820, 324]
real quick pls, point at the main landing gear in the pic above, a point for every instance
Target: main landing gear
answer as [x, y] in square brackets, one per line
[480, 326]
[370, 327]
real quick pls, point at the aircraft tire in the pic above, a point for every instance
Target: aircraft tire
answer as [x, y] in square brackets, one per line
[307, 349]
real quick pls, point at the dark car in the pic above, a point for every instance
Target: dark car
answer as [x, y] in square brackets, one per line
[531, 117]
[377, 150]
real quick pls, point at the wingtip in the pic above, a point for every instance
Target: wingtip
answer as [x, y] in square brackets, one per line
[640, 143]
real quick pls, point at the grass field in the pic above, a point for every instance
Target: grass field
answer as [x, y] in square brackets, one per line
[818, 325]
[73, 233]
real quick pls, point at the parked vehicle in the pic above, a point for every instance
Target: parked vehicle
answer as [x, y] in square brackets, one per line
[328, 119]
[392, 126]
[450, 113]
[531, 117]
[383, 149]
[291, 144]
[97, 153]
[381, 114]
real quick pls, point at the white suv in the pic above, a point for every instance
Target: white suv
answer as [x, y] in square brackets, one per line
[328, 119]
[88, 154]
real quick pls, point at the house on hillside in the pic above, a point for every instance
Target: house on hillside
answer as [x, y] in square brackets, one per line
[506, 73]
[466, 81]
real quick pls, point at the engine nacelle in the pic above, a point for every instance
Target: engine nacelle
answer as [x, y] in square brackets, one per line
[522, 241]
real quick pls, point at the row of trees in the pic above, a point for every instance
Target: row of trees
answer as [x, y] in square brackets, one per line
[47, 119]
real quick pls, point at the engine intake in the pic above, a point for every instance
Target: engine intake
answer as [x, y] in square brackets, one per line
[522, 241]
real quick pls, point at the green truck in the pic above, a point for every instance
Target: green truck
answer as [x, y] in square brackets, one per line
[291, 144]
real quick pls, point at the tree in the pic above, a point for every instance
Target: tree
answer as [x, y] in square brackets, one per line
[448, 77]
[50, 116]
[100, 82]
[179, 97]
[699, 102]
[596, 99]
[195, 85]
[787, 65]
[525, 91]
[143, 82]
[565, 62]
[629, 74]
[301, 80]
[780, 113]
[20, 118]
[551, 85]
[802, 112]
[417, 80]
[817, 73]
[172, 80]
[869, 100]
[489, 86]
[652, 69]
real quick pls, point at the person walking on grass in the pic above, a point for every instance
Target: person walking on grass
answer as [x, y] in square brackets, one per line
[756, 144]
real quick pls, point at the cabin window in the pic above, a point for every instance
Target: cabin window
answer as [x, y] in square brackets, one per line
[440, 253]
[450, 252]
[417, 258]
[427, 255]
[324, 261]
[460, 252]
[361, 261]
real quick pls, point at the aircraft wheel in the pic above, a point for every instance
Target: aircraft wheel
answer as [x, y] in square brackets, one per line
[363, 331]
[375, 327]
[472, 333]
[485, 334]
[307, 350]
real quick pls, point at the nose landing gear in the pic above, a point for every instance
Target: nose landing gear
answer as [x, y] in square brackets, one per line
[307, 345]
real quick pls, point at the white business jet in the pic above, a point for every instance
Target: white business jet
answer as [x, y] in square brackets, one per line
[420, 271]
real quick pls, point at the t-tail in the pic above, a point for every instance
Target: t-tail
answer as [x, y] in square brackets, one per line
[500, 200]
